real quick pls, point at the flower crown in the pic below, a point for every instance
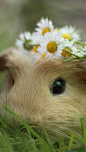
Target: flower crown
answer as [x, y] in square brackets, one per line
[52, 43]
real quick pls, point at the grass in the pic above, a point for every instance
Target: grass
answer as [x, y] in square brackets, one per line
[25, 139]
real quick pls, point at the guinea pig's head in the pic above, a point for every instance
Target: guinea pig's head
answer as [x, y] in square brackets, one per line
[49, 94]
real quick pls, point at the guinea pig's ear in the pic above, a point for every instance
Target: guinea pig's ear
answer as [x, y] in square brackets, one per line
[16, 63]
[13, 59]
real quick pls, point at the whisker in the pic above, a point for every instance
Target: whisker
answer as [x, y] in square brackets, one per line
[61, 133]
[64, 135]
[56, 131]
[73, 131]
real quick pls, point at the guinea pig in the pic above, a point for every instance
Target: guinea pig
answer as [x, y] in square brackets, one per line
[49, 94]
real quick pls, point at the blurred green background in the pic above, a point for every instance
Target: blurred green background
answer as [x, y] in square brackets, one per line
[17, 16]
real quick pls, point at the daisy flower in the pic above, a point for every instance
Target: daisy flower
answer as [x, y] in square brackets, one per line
[25, 39]
[57, 30]
[80, 52]
[44, 26]
[68, 46]
[37, 40]
[51, 47]
[70, 33]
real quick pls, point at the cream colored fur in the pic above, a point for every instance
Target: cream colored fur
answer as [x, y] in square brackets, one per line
[30, 96]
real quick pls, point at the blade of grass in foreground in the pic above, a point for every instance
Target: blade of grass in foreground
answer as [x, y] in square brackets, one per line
[83, 131]
[41, 143]
[33, 142]
[70, 142]
[22, 122]
[5, 145]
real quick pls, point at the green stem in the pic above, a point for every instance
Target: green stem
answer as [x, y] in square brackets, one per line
[80, 43]
[70, 53]
[69, 59]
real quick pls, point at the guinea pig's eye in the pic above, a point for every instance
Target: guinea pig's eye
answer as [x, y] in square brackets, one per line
[58, 86]
[13, 81]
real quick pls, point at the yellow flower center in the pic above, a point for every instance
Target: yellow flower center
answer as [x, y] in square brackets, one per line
[58, 30]
[35, 49]
[66, 36]
[64, 53]
[51, 47]
[43, 55]
[45, 30]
